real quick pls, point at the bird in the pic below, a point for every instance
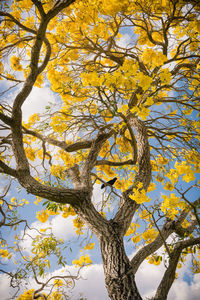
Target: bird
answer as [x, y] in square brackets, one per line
[110, 182]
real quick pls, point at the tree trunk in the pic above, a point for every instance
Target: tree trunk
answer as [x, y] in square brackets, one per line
[119, 277]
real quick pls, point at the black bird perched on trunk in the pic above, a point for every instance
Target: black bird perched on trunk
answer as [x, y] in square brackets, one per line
[110, 182]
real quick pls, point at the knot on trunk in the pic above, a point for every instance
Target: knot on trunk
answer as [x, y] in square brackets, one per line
[74, 175]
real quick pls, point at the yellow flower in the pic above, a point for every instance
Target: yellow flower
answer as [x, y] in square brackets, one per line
[42, 216]
[151, 187]
[132, 228]
[153, 58]
[139, 196]
[150, 234]
[33, 118]
[165, 76]
[78, 223]
[28, 294]
[15, 63]
[93, 108]
[144, 81]
[170, 205]
[5, 253]
[68, 211]
[184, 169]
[58, 282]
[168, 186]
[136, 239]
[82, 261]
[89, 246]
[30, 154]
[13, 199]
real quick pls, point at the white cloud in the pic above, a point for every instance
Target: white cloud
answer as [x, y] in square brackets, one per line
[63, 227]
[148, 277]
[125, 41]
[182, 290]
[36, 102]
[6, 291]
[97, 196]
[93, 287]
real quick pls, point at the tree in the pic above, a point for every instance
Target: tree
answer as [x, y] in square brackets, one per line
[126, 76]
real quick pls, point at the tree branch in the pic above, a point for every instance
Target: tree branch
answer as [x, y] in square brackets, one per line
[7, 170]
[92, 157]
[7, 120]
[128, 207]
[61, 144]
[169, 275]
[115, 163]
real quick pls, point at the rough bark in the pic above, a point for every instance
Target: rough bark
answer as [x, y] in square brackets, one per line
[119, 276]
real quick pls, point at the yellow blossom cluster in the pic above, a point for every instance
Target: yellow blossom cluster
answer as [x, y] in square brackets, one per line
[28, 295]
[58, 282]
[169, 186]
[78, 224]
[144, 81]
[68, 159]
[82, 261]
[5, 254]
[145, 215]
[59, 123]
[15, 63]
[162, 160]
[42, 216]
[124, 145]
[25, 4]
[30, 153]
[136, 238]
[165, 76]
[142, 112]
[89, 246]
[153, 58]
[132, 228]
[68, 211]
[173, 176]
[105, 149]
[15, 202]
[93, 108]
[92, 79]
[38, 200]
[139, 195]
[171, 205]
[151, 187]
[32, 119]
[186, 170]
[58, 171]
[196, 266]
[107, 170]
[107, 115]
[150, 235]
